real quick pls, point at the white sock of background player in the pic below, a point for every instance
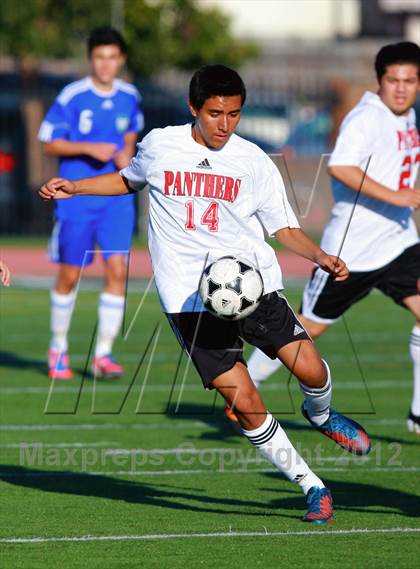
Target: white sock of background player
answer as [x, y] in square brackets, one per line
[260, 366]
[110, 317]
[61, 311]
[415, 356]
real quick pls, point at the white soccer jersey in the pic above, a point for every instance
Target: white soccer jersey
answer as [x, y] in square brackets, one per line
[373, 231]
[205, 204]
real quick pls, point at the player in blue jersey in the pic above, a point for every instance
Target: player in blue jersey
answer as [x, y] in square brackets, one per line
[92, 127]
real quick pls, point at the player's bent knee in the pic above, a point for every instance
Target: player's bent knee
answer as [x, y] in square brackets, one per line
[316, 376]
[248, 403]
[308, 366]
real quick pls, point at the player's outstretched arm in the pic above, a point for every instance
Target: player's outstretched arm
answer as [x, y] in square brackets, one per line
[4, 274]
[105, 185]
[297, 241]
[354, 178]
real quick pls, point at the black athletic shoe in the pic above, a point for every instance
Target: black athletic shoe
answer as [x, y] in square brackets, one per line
[413, 423]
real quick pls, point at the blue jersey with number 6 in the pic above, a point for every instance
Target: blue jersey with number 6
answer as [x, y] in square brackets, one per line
[82, 113]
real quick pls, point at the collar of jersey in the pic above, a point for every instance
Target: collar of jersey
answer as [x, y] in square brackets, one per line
[408, 120]
[104, 94]
[202, 146]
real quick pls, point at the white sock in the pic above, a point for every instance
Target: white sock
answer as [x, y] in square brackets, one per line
[274, 445]
[317, 400]
[415, 356]
[110, 317]
[261, 366]
[61, 310]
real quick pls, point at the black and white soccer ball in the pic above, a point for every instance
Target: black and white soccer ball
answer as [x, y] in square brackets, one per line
[231, 288]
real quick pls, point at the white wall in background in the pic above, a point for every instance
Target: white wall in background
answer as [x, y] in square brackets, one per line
[277, 19]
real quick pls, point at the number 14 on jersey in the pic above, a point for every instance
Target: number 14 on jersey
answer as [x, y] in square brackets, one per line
[210, 217]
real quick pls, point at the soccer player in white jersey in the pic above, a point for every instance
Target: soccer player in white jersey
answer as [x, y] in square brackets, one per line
[92, 127]
[373, 169]
[211, 193]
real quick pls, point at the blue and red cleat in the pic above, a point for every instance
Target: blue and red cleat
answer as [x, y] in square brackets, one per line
[320, 510]
[344, 431]
[59, 365]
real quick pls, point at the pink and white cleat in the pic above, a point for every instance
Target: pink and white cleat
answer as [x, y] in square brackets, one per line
[59, 365]
[106, 366]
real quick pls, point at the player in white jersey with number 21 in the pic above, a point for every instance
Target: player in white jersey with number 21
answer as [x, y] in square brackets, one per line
[373, 169]
[211, 194]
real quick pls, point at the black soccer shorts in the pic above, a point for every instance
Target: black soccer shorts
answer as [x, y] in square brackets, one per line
[325, 300]
[215, 345]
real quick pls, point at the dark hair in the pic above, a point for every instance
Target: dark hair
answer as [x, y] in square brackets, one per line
[105, 35]
[215, 81]
[403, 52]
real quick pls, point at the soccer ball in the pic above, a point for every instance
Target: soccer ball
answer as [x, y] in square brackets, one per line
[231, 288]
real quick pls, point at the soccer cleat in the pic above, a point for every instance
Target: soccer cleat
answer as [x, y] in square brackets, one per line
[59, 365]
[413, 423]
[233, 418]
[106, 366]
[344, 431]
[320, 510]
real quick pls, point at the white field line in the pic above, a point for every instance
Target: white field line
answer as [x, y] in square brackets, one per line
[193, 471]
[340, 460]
[280, 386]
[176, 424]
[105, 426]
[259, 470]
[58, 445]
[230, 534]
[363, 337]
[199, 451]
[165, 357]
[385, 421]
[237, 453]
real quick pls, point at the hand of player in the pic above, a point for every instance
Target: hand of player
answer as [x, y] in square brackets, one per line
[122, 158]
[407, 198]
[57, 189]
[102, 151]
[333, 265]
[4, 274]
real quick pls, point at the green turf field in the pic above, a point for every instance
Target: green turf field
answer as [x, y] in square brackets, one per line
[153, 477]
